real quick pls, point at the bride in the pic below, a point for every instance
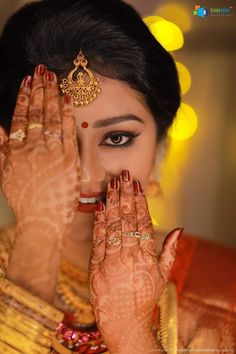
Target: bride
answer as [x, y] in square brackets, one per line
[87, 95]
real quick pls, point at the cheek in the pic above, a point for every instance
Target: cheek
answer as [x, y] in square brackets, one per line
[138, 159]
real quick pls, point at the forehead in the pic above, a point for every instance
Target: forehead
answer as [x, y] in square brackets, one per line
[116, 98]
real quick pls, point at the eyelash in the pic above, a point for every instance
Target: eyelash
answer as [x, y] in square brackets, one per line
[131, 137]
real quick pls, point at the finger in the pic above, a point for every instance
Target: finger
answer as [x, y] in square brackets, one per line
[52, 115]
[19, 122]
[127, 209]
[36, 109]
[144, 221]
[3, 147]
[99, 235]
[113, 220]
[68, 125]
[167, 256]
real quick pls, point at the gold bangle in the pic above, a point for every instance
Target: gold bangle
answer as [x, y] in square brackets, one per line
[6, 349]
[12, 303]
[33, 302]
[72, 272]
[19, 341]
[25, 324]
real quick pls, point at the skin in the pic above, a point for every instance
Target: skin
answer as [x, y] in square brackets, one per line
[42, 177]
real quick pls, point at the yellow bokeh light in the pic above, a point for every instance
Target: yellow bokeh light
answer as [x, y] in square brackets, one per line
[150, 20]
[184, 77]
[167, 33]
[185, 123]
[176, 13]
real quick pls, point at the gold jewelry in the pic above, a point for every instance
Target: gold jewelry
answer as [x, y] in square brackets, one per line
[35, 303]
[145, 237]
[72, 272]
[18, 135]
[78, 305]
[132, 234]
[86, 88]
[15, 315]
[168, 333]
[115, 241]
[20, 342]
[35, 125]
[52, 134]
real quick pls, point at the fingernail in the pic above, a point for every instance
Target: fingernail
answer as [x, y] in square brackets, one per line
[137, 187]
[67, 99]
[40, 69]
[50, 76]
[27, 81]
[180, 229]
[100, 206]
[114, 183]
[125, 175]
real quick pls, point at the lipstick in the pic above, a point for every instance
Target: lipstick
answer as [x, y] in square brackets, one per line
[88, 201]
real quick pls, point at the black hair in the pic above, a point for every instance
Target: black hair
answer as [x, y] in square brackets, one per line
[112, 36]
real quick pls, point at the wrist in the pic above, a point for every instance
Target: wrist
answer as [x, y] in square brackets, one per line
[141, 342]
[35, 259]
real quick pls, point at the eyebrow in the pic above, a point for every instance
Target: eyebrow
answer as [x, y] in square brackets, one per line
[115, 120]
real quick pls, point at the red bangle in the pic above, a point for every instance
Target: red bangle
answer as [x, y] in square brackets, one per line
[80, 341]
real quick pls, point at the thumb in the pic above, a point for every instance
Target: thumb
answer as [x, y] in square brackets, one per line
[167, 256]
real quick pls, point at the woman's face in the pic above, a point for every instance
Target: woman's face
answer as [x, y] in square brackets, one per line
[120, 134]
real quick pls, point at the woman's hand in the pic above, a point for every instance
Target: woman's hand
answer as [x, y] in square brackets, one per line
[126, 278]
[40, 179]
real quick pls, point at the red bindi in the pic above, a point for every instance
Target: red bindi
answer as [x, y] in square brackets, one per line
[84, 125]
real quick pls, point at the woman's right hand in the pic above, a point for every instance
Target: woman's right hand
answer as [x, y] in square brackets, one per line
[40, 175]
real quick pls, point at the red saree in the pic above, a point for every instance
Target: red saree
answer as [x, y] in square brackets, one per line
[205, 278]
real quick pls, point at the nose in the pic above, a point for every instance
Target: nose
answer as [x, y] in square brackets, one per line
[92, 174]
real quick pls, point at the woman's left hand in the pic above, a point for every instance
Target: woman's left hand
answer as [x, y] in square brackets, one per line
[126, 277]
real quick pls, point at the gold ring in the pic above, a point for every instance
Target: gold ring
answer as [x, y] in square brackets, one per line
[115, 241]
[18, 135]
[145, 237]
[35, 125]
[132, 234]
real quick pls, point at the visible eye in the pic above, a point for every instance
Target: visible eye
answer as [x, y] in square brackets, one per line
[119, 139]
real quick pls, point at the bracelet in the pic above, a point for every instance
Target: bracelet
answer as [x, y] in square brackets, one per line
[11, 302]
[13, 316]
[74, 273]
[4, 348]
[19, 341]
[33, 302]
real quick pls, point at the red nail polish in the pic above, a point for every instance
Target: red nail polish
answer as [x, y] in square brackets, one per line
[50, 76]
[67, 99]
[40, 70]
[125, 175]
[114, 183]
[99, 206]
[27, 81]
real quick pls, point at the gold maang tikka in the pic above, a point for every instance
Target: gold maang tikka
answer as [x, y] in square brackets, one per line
[85, 88]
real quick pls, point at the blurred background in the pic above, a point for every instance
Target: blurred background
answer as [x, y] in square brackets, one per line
[198, 176]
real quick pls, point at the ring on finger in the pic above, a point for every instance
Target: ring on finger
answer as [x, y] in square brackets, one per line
[132, 234]
[18, 135]
[145, 237]
[48, 132]
[35, 125]
[115, 241]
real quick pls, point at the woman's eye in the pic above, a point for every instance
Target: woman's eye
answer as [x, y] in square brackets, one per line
[119, 139]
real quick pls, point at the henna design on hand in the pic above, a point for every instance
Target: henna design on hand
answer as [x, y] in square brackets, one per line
[40, 179]
[126, 280]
